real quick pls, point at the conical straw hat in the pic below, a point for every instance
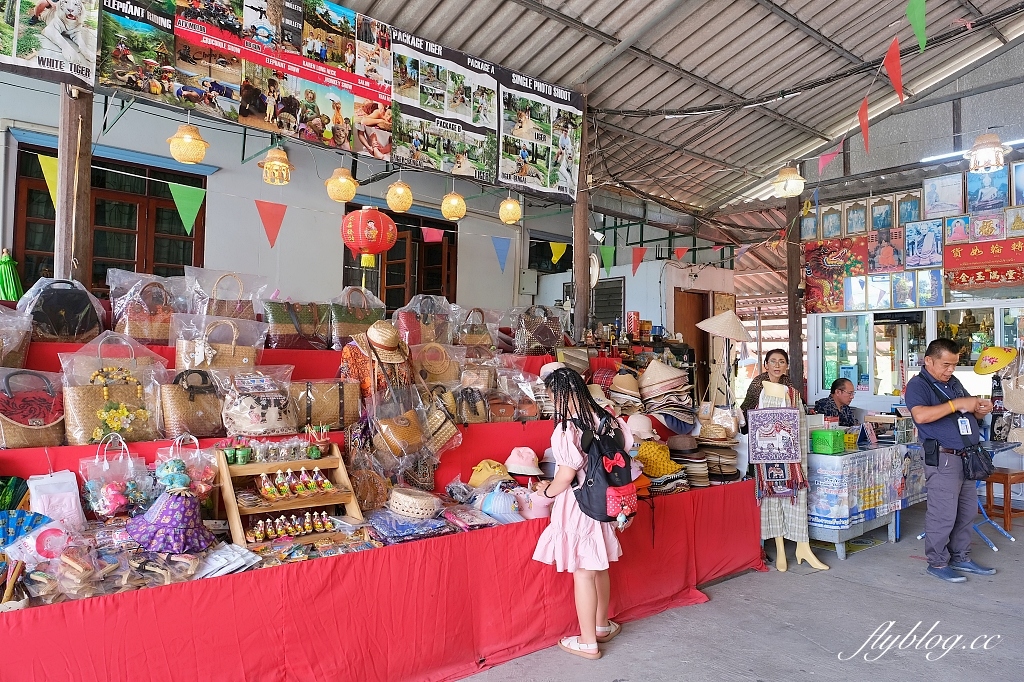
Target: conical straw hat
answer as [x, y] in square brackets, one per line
[726, 325]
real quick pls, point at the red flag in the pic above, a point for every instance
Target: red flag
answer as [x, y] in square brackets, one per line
[638, 257]
[718, 247]
[432, 235]
[862, 114]
[825, 159]
[272, 215]
[893, 68]
[681, 251]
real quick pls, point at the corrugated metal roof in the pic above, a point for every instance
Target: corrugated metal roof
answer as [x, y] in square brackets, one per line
[683, 54]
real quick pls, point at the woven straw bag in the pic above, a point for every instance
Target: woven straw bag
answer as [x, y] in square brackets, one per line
[349, 318]
[84, 404]
[538, 334]
[14, 347]
[472, 406]
[416, 504]
[443, 396]
[147, 321]
[500, 407]
[1013, 394]
[240, 308]
[480, 377]
[191, 408]
[40, 418]
[370, 489]
[302, 326]
[401, 434]
[434, 365]
[439, 424]
[332, 403]
[203, 354]
[475, 333]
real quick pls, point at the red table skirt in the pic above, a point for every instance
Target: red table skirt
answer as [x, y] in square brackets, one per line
[437, 609]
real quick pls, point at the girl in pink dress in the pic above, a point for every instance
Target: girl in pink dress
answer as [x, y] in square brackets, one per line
[574, 541]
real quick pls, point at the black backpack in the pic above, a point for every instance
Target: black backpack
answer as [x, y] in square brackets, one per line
[607, 492]
[64, 314]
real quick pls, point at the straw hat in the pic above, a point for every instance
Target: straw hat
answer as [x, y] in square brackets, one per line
[383, 338]
[659, 379]
[412, 503]
[993, 359]
[641, 427]
[626, 384]
[549, 368]
[682, 444]
[726, 325]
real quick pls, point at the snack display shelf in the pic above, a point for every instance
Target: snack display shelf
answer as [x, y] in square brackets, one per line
[299, 502]
[257, 468]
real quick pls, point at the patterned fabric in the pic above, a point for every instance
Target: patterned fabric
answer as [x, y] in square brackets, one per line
[787, 516]
[603, 377]
[357, 366]
[829, 408]
[171, 525]
[754, 391]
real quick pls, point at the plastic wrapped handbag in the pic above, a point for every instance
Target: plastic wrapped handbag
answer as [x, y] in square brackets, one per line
[501, 407]
[424, 320]
[396, 421]
[31, 410]
[240, 308]
[538, 331]
[191, 405]
[331, 403]
[352, 313]
[147, 315]
[300, 326]
[15, 336]
[204, 354]
[439, 425]
[481, 377]
[435, 364]
[62, 311]
[257, 403]
[472, 406]
[473, 333]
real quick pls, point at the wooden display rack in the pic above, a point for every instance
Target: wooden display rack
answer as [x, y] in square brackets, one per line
[341, 497]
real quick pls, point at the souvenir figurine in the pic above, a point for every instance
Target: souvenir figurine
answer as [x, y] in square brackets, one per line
[259, 532]
[322, 482]
[271, 531]
[306, 484]
[283, 490]
[267, 488]
[328, 524]
[292, 482]
[318, 525]
[280, 527]
[307, 524]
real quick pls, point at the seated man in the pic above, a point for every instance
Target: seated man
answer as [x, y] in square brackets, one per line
[837, 404]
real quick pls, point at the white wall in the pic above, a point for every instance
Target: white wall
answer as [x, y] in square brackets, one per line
[651, 291]
[306, 263]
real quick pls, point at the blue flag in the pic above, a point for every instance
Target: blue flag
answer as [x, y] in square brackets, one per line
[501, 245]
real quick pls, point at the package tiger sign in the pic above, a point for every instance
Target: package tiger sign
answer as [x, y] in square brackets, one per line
[53, 40]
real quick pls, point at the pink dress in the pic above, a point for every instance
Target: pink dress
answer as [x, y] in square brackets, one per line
[573, 540]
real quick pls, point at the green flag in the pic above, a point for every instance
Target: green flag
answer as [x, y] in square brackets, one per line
[187, 200]
[607, 258]
[915, 15]
[49, 166]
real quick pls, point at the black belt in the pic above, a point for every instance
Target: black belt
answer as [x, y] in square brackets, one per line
[950, 451]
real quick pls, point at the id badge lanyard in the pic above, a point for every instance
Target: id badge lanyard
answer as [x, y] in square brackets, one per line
[963, 423]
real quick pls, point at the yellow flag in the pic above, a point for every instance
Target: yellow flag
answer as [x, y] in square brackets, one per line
[557, 251]
[49, 166]
[807, 208]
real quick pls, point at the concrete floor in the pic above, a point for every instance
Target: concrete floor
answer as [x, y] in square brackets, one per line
[795, 625]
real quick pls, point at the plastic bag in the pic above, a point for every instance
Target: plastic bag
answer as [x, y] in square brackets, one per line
[15, 336]
[141, 304]
[477, 326]
[206, 341]
[43, 544]
[118, 485]
[200, 464]
[31, 409]
[224, 293]
[62, 311]
[539, 330]
[397, 421]
[56, 496]
[435, 363]
[426, 319]
[256, 402]
[298, 325]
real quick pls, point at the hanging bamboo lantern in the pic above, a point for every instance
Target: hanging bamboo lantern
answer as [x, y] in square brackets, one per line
[188, 145]
[399, 197]
[510, 211]
[276, 168]
[453, 206]
[341, 186]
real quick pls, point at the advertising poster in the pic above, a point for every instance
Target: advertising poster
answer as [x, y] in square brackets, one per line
[54, 40]
[444, 109]
[283, 66]
[540, 136]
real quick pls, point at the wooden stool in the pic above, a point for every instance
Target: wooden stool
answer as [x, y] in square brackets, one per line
[1005, 477]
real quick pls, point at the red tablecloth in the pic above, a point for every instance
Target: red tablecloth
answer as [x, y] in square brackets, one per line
[435, 609]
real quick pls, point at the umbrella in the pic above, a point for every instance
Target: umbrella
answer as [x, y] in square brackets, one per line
[726, 325]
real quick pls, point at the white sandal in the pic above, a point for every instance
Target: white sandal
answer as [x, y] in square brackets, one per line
[574, 646]
[608, 632]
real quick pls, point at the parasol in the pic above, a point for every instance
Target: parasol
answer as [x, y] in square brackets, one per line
[727, 325]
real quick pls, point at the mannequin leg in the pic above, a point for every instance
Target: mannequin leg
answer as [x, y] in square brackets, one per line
[803, 551]
[781, 564]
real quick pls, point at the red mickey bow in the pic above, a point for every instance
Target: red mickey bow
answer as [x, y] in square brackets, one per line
[611, 463]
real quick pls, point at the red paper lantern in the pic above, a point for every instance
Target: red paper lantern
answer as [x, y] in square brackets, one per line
[367, 232]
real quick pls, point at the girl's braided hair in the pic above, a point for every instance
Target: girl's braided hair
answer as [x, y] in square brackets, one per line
[568, 390]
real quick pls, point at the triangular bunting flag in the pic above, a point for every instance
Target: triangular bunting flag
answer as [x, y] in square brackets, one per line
[717, 247]
[607, 258]
[915, 15]
[893, 67]
[557, 251]
[815, 201]
[638, 257]
[272, 216]
[681, 251]
[743, 250]
[49, 166]
[825, 159]
[433, 235]
[862, 114]
[187, 200]
[805, 210]
[501, 245]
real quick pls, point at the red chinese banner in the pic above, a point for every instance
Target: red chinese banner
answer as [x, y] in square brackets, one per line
[983, 254]
[969, 279]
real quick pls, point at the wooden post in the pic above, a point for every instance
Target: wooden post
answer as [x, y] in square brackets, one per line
[581, 237]
[794, 304]
[72, 252]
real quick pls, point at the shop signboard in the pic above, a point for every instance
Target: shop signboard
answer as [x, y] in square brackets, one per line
[52, 40]
[445, 109]
[539, 144]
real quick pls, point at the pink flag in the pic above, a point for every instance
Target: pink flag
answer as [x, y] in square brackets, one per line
[862, 114]
[432, 235]
[825, 159]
